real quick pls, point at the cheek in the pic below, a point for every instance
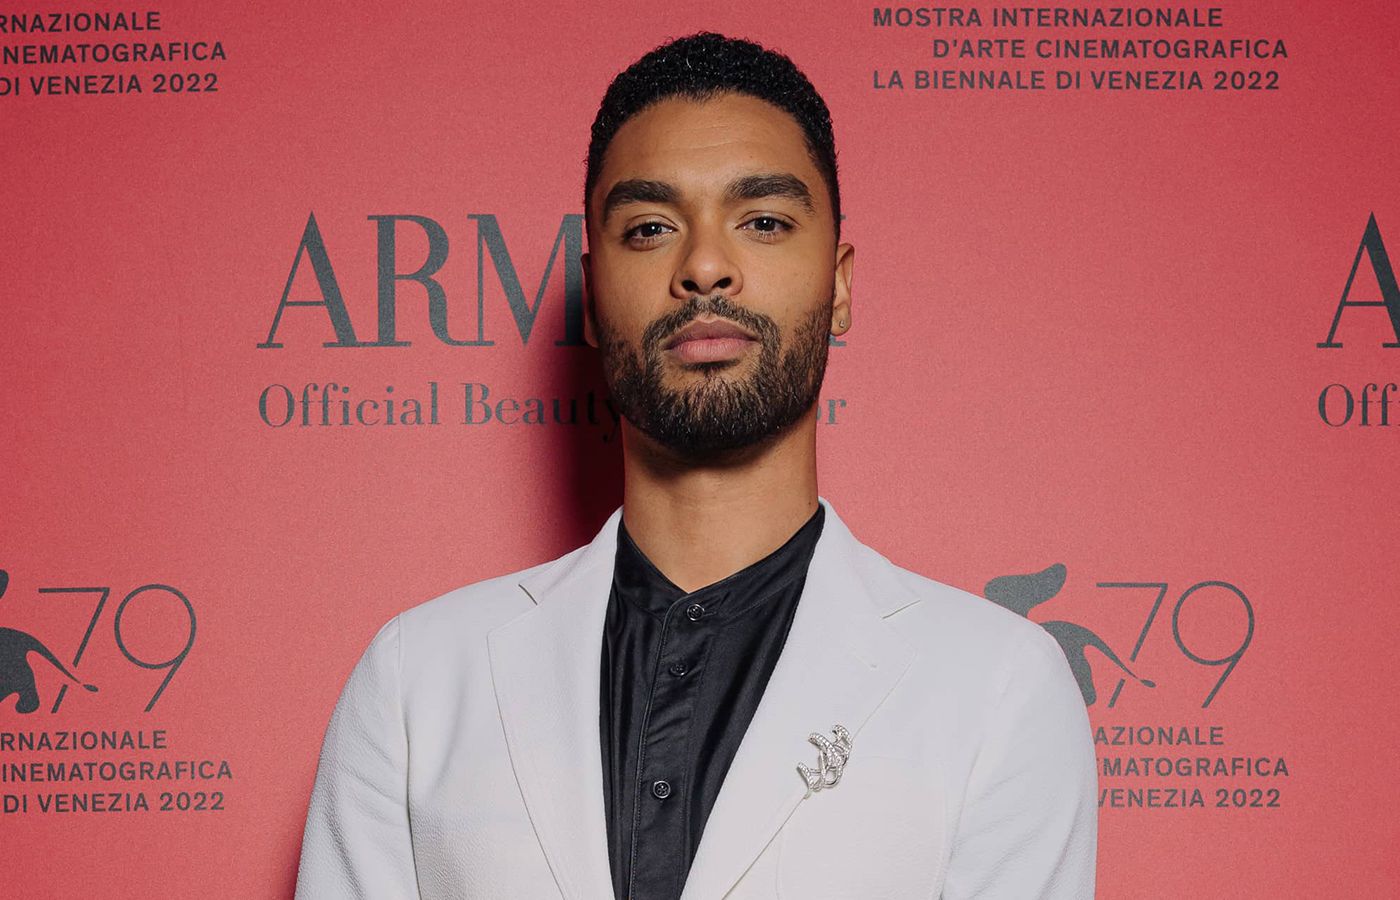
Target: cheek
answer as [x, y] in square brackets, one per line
[623, 322]
[623, 299]
[801, 274]
[792, 294]
[809, 324]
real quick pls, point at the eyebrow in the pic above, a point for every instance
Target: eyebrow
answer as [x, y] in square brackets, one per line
[759, 187]
[747, 187]
[638, 190]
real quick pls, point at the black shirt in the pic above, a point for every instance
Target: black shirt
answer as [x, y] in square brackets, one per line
[681, 677]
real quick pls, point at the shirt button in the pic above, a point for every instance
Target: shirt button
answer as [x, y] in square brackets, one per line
[694, 611]
[678, 669]
[661, 789]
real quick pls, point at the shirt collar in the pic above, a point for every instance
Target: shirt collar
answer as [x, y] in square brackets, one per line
[642, 584]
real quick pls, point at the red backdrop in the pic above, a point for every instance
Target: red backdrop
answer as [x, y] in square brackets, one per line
[1086, 329]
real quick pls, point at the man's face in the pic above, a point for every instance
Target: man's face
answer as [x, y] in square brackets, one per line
[713, 273]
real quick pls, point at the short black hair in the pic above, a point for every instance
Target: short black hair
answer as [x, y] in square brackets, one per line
[702, 66]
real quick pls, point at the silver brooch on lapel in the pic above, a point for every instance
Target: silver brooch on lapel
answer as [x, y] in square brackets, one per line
[830, 762]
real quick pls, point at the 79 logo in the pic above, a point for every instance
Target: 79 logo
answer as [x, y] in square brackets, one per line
[1022, 593]
[16, 647]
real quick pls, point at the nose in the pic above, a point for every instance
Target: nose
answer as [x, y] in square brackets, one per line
[706, 265]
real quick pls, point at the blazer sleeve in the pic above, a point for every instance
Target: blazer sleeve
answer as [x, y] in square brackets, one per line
[356, 843]
[1029, 825]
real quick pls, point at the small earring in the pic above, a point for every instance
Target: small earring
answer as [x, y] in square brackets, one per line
[841, 323]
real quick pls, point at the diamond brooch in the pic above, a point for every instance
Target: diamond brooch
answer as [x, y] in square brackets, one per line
[830, 762]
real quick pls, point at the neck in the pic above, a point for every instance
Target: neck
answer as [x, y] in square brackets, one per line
[702, 522]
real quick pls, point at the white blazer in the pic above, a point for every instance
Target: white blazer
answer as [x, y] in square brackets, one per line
[462, 759]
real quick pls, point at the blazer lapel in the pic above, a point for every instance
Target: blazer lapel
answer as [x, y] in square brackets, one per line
[544, 665]
[839, 662]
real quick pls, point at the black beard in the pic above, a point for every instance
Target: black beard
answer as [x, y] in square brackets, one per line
[720, 415]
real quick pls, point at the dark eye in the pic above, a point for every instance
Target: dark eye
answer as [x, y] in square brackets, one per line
[645, 232]
[768, 224]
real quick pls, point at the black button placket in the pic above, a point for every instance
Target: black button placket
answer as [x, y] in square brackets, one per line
[661, 818]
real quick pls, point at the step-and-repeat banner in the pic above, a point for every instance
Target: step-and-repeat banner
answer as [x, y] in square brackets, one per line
[292, 340]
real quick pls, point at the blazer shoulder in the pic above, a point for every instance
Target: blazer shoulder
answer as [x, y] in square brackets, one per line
[935, 614]
[968, 647]
[478, 607]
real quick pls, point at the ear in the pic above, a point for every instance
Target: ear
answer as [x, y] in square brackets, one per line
[841, 296]
[590, 325]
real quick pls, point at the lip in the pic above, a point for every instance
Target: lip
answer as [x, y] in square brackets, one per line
[702, 330]
[715, 340]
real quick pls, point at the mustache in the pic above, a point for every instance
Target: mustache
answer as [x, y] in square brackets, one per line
[716, 305]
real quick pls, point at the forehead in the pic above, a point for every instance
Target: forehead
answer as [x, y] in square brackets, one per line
[701, 144]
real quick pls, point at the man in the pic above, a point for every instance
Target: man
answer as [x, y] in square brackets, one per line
[724, 694]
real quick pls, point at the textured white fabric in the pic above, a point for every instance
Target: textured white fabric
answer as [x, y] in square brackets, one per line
[462, 758]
